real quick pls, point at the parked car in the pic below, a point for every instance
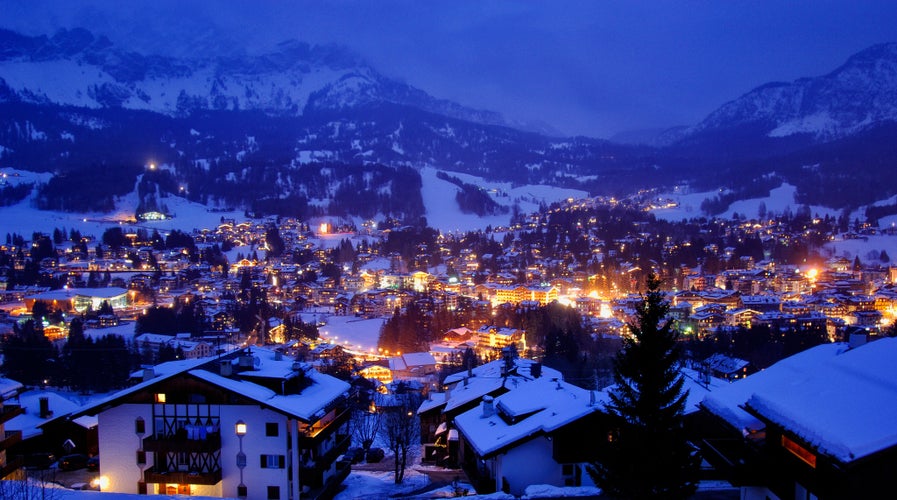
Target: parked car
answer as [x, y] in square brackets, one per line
[93, 463]
[375, 455]
[355, 455]
[74, 461]
[39, 460]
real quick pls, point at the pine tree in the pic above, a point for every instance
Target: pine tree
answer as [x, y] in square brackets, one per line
[648, 455]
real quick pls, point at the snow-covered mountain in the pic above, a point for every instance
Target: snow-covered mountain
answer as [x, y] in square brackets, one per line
[75, 67]
[860, 94]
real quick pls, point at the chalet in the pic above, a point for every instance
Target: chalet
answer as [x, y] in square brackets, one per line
[726, 367]
[493, 339]
[9, 410]
[463, 392]
[533, 434]
[819, 424]
[412, 364]
[251, 424]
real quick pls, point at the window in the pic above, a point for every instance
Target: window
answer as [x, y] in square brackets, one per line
[160, 397]
[273, 492]
[272, 461]
[139, 426]
[141, 457]
[799, 451]
[271, 429]
[141, 488]
[242, 491]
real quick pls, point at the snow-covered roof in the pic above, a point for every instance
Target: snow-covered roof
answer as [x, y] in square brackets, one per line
[476, 388]
[726, 402]
[845, 406]
[522, 367]
[434, 400]
[29, 421]
[413, 359]
[534, 406]
[312, 399]
[8, 387]
[70, 293]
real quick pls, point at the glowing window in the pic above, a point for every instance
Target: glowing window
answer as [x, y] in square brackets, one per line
[799, 451]
[160, 398]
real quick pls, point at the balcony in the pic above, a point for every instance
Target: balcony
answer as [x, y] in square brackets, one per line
[331, 487]
[175, 477]
[13, 438]
[9, 411]
[12, 465]
[322, 428]
[322, 463]
[181, 443]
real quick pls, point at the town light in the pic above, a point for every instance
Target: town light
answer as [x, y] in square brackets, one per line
[101, 482]
[240, 428]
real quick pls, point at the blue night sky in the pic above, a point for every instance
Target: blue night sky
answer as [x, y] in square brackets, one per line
[585, 67]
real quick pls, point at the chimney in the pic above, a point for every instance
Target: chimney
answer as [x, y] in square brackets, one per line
[592, 398]
[45, 407]
[148, 373]
[535, 370]
[278, 355]
[488, 408]
[226, 368]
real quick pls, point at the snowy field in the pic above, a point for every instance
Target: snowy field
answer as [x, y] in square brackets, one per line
[439, 199]
[354, 333]
[443, 212]
[24, 219]
[779, 200]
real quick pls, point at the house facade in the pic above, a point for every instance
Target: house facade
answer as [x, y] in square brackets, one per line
[530, 435]
[251, 424]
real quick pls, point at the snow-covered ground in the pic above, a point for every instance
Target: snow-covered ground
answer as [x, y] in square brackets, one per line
[443, 212]
[24, 219]
[439, 199]
[354, 333]
[779, 200]
[376, 485]
[867, 248]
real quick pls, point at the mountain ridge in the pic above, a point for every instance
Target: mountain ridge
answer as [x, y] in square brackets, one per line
[280, 81]
[858, 94]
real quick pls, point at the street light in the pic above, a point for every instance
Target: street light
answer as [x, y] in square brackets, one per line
[240, 430]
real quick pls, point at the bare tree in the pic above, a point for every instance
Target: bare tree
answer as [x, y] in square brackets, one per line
[400, 429]
[37, 485]
[365, 426]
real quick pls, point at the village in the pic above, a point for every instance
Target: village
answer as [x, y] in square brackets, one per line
[300, 347]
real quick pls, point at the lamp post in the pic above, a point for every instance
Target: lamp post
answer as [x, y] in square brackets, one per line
[240, 431]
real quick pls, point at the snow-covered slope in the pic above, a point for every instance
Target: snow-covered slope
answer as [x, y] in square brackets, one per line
[860, 93]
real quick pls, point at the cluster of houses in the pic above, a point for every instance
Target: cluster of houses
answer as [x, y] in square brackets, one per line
[256, 423]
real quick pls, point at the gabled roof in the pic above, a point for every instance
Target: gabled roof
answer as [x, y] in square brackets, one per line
[846, 406]
[534, 406]
[726, 402]
[307, 405]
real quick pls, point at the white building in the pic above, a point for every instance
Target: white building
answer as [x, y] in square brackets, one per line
[251, 424]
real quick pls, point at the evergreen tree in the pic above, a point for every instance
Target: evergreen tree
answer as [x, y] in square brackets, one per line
[648, 455]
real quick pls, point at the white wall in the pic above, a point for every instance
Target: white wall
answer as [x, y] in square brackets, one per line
[255, 443]
[527, 464]
[119, 443]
